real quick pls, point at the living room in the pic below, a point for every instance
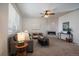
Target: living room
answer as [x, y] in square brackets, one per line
[31, 18]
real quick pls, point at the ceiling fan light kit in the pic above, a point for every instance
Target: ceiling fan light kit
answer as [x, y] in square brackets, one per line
[46, 16]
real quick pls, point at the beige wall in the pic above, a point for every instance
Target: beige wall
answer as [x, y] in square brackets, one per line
[3, 28]
[40, 24]
[73, 18]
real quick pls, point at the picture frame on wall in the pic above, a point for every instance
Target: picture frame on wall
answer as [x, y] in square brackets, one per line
[65, 26]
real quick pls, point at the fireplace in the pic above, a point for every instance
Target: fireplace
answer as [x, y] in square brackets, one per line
[51, 33]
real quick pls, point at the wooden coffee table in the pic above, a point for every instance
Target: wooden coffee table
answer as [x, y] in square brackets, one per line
[21, 50]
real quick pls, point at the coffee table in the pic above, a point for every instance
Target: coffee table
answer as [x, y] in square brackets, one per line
[21, 50]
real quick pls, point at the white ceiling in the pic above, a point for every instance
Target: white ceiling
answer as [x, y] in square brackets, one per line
[34, 9]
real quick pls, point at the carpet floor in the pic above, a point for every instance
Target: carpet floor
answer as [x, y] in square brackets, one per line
[56, 48]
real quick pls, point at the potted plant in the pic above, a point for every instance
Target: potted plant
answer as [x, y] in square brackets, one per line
[69, 31]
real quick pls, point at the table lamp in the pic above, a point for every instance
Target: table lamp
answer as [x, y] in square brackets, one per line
[20, 38]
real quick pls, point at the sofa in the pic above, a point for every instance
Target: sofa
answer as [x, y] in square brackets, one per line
[35, 35]
[43, 41]
[29, 49]
[11, 46]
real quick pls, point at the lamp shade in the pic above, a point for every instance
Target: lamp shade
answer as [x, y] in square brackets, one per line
[21, 37]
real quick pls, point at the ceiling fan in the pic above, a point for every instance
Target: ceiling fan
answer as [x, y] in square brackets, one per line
[47, 13]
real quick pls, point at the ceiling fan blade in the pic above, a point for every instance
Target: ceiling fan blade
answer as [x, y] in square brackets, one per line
[51, 13]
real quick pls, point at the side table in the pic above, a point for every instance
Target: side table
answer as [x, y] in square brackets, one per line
[21, 50]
